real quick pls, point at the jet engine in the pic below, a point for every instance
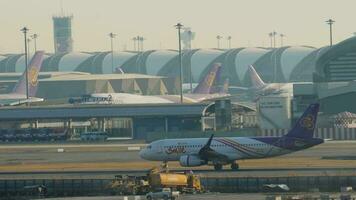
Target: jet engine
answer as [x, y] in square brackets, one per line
[190, 161]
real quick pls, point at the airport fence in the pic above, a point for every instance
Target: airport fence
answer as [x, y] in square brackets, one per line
[20, 188]
[295, 183]
[335, 133]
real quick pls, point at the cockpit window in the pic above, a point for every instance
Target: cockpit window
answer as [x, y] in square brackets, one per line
[149, 147]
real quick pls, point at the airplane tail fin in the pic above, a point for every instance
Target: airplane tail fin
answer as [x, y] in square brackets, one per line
[256, 80]
[206, 85]
[225, 88]
[304, 127]
[33, 70]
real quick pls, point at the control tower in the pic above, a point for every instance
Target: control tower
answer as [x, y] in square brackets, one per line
[62, 33]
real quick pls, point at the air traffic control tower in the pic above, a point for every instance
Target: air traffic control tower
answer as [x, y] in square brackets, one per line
[62, 33]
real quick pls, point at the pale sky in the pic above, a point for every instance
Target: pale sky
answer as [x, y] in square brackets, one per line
[247, 21]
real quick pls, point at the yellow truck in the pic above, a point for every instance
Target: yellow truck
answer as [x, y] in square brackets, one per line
[183, 182]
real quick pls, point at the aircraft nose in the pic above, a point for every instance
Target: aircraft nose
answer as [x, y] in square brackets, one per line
[143, 153]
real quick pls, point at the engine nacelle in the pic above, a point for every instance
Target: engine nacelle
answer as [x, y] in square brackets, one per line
[190, 161]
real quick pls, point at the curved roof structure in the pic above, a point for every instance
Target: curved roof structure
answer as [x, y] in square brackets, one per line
[246, 57]
[71, 61]
[274, 65]
[337, 63]
[201, 59]
[158, 59]
[119, 59]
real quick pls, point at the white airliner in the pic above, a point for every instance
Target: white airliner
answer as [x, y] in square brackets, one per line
[219, 151]
[205, 90]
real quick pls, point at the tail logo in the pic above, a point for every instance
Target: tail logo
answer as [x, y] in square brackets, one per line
[308, 122]
[32, 76]
[210, 79]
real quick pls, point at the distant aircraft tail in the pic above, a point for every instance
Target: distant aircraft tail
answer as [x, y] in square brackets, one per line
[33, 69]
[206, 85]
[225, 88]
[256, 80]
[304, 127]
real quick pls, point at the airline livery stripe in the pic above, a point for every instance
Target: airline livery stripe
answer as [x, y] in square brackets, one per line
[244, 147]
[234, 147]
[241, 147]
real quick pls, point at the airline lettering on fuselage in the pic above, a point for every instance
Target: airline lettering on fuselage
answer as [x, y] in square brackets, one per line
[176, 150]
[307, 122]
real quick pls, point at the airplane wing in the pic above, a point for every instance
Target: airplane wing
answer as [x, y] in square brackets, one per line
[16, 102]
[208, 154]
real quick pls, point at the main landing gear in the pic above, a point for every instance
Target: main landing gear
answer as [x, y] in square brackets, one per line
[234, 166]
[219, 167]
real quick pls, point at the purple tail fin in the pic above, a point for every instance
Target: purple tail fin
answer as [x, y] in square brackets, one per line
[206, 85]
[304, 127]
[256, 80]
[33, 70]
[225, 88]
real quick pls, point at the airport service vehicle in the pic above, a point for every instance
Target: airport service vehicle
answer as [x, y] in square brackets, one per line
[165, 194]
[207, 90]
[219, 151]
[18, 94]
[155, 179]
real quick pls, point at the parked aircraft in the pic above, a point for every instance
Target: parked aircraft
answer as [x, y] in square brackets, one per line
[219, 151]
[18, 94]
[206, 90]
[260, 88]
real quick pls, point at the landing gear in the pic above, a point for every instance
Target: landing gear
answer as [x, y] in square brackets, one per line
[234, 166]
[218, 167]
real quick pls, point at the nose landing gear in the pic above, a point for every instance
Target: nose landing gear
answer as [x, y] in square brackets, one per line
[234, 166]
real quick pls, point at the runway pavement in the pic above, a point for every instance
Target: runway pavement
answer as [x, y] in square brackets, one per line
[95, 159]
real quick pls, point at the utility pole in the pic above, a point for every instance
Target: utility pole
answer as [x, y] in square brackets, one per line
[229, 41]
[34, 37]
[25, 30]
[331, 22]
[112, 36]
[179, 27]
[218, 37]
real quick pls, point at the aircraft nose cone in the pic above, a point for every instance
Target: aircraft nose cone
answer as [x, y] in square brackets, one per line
[143, 154]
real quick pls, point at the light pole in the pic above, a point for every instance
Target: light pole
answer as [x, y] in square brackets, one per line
[218, 37]
[134, 40]
[274, 33]
[141, 42]
[112, 36]
[179, 27]
[330, 22]
[229, 41]
[28, 47]
[282, 36]
[25, 30]
[270, 35]
[34, 37]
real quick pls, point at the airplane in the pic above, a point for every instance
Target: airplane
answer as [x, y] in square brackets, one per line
[206, 90]
[260, 88]
[220, 151]
[18, 94]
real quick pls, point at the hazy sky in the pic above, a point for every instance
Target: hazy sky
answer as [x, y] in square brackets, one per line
[247, 21]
